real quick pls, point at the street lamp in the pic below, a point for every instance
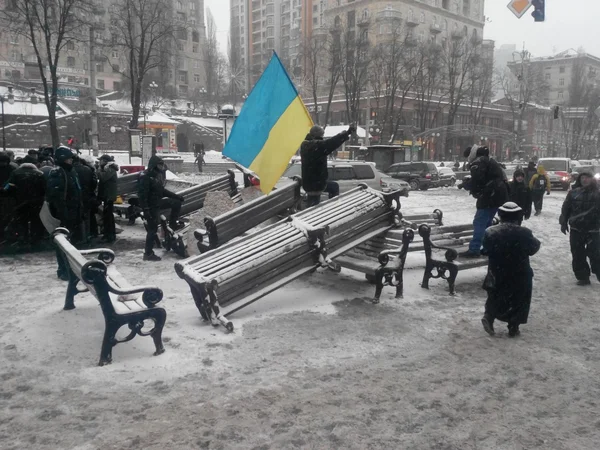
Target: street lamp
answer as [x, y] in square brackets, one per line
[11, 99]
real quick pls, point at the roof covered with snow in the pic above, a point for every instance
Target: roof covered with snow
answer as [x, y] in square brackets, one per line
[332, 130]
[208, 122]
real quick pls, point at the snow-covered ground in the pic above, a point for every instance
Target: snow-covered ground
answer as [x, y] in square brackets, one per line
[312, 366]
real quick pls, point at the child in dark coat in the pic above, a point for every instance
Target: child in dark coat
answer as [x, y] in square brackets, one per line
[509, 282]
[520, 193]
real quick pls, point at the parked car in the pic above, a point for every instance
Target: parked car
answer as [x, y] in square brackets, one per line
[559, 171]
[419, 175]
[349, 174]
[447, 177]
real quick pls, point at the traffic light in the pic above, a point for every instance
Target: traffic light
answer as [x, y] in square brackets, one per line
[539, 12]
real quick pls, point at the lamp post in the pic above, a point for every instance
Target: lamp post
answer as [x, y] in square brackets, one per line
[11, 99]
[145, 111]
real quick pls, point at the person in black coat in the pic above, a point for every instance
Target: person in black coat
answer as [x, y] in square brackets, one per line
[63, 194]
[581, 213]
[153, 197]
[489, 187]
[88, 182]
[107, 194]
[520, 193]
[7, 202]
[27, 186]
[509, 282]
[530, 171]
[313, 153]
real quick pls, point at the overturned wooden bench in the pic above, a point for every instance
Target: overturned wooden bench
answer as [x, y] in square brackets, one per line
[223, 228]
[443, 246]
[382, 258]
[120, 302]
[238, 273]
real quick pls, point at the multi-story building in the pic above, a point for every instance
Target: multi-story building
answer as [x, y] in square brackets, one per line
[558, 73]
[184, 71]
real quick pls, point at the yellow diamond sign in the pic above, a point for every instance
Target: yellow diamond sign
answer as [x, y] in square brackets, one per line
[519, 7]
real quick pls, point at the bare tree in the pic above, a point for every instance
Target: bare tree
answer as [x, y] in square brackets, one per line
[48, 25]
[481, 85]
[314, 53]
[236, 72]
[355, 60]
[211, 56]
[334, 67]
[429, 84]
[143, 31]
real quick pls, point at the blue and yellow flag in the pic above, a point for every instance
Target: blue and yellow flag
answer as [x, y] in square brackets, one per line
[271, 126]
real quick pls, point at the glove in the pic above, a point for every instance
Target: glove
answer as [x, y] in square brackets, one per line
[351, 130]
[181, 198]
[564, 228]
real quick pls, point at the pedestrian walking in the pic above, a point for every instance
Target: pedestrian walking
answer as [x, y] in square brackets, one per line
[200, 160]
[107, 194]
[520, 193]
[539, 184]
[509, 282]
[63, 194]
[313, 153]
[530, 171]
[581, 216]
[153, 197]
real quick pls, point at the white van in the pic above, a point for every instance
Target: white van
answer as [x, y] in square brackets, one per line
[559, 171]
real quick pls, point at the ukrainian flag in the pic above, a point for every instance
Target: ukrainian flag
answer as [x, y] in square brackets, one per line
[271, 126]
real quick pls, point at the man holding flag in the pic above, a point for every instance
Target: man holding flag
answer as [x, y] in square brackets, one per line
[314, 152]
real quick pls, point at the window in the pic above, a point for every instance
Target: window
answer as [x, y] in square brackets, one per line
[179, 5]
[99, 68]
[196, 78]
[85, 65]
[363, 172]
[193, 6]
[72, 79]
[270, 20]
[183, 77]
[196, 64]
[70, 61]
[14, 54]
[116, 86]
[548, 76]
[115, 68]
[100, 84]
[560, 95]
[70, 45]
[562, 69]
[179, 46]
[195, 36]
[343, 173]
[114, 54]
[561, 82]
[195, 48]
[351, 19]
[14, 39]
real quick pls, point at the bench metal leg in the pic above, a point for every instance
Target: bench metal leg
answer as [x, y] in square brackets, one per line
[427, 275]
[108, 342]
[200, 301]
[71, 291]
[400, 280]
[159, 323]
[216, 318]
[379, 276]
[453, 272]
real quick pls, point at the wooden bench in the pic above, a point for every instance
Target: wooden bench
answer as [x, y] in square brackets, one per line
[128, 184]
[240, 272]
[442, 247]
[121, 303]
[234, 223]
[382, 258]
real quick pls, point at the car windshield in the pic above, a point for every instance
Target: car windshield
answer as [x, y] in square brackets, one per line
[553, 165]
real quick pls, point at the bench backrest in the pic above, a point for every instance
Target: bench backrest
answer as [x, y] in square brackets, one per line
[231, 224]
[128, 184]
[195, 196]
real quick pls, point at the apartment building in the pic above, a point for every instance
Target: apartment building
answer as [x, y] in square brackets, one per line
[183, 72]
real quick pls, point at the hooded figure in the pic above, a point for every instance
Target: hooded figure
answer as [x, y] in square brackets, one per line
[314, 152]
[107, 194]
[539, 184]
[152, 193]
[581, 213]
[63, 194]
[509, 281]
[530, 171]
[27, 185]
[520, 193]
[489, 187]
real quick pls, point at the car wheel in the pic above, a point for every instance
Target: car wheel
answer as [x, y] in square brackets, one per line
[414, 185]
[452, 181]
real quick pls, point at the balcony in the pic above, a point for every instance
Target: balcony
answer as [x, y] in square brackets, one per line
[412, 22]
[411, 41]
[363, 22]
[388, 15]
[457, 34]
[435, 28]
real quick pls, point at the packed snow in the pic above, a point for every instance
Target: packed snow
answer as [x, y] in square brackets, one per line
[313, 365]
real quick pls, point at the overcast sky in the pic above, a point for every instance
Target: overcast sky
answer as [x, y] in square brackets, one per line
[568, 23]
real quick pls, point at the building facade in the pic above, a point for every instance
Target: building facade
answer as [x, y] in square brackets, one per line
[183, 73]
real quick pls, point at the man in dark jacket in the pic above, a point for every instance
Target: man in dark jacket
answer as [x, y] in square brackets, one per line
[7, 202]
[88, 182]
[107, 194]
[509, 282]
[47, 166]
[63, 194]
[489, 187]
[530, 171]
[27, 186]
[581, 213]
[520, 193]
[152, 193]
[314, 152]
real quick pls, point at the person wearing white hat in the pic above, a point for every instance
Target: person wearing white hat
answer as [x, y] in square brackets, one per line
[509, 282]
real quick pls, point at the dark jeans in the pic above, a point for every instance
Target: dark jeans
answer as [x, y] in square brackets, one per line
[585, 246]
[538, 200]
[482, 221]
[332, 188]
[153, 221]
[93, 222]
[108, 217]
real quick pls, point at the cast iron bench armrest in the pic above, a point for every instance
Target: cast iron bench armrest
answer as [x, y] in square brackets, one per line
[106, 255]
[152, 295]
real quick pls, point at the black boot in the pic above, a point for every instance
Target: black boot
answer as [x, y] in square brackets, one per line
[585, 282]
[513, 330]
[488, 325]
[152, 257]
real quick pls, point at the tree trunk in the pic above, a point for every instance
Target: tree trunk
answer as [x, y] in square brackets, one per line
[52, 111]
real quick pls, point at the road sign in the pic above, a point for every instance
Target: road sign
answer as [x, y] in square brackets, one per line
[519, 7]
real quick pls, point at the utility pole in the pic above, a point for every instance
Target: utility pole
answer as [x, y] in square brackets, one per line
[367, 140]
[94, 109]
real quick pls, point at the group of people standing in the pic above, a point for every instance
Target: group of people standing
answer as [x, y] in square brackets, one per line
[509, 246]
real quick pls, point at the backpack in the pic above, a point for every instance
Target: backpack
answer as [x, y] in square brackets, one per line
[540, 183]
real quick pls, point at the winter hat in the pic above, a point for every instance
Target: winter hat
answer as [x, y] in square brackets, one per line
[61, 154]
[89, 160]
[4, 157]
[107, 158]
[29, 159]
[510, 212]
[483, 151]
[519, 173]
[317, 132]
